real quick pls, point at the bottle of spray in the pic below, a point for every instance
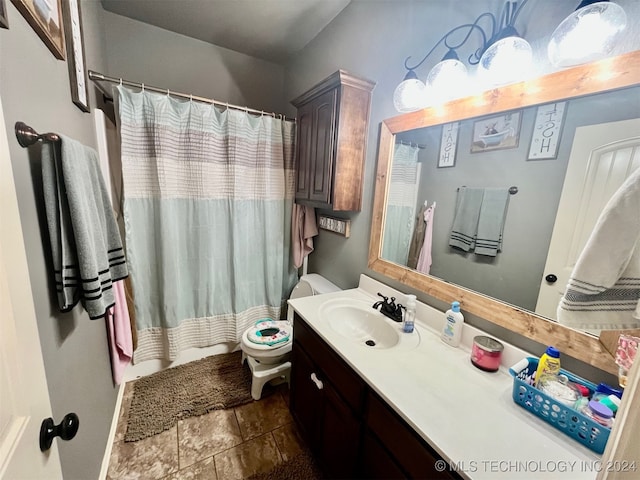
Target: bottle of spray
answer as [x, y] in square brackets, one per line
[454, 321]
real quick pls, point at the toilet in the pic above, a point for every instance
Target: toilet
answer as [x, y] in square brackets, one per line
[266, 346]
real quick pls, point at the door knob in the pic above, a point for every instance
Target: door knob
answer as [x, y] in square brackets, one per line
[551, 278]
[66, 430]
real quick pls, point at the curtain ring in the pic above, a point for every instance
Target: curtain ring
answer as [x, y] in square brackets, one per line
[168, 93]
[143, 88]
[121, 81]
[191, 97]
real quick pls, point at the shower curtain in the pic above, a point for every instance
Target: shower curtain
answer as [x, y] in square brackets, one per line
[208, 195]
[401, 204]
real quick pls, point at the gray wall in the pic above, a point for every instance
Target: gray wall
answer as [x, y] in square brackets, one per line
[372, 39]
[35, 89]
[145, 53]
[514, 275]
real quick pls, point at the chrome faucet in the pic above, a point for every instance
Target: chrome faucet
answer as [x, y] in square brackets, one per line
[389, 308]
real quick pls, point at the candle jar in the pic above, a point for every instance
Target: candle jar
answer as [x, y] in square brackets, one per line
[486, 353]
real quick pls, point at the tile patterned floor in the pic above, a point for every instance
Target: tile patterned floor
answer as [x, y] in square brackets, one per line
[221, 445]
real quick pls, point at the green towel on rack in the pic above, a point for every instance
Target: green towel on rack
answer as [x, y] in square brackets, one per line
[85, 242]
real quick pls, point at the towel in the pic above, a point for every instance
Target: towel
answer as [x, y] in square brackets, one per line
[424, 260]
[491, 221]
[85, 242]
[119, 331]
[303, 229]
[465, 220]
[604, 287]
[417, 239]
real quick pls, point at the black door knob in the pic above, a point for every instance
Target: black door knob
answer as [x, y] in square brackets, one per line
[66, 430]
[551, 278]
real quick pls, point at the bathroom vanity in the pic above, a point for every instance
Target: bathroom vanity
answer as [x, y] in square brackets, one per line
[410, 406]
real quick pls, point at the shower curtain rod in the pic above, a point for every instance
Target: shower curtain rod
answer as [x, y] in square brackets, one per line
[100, 77]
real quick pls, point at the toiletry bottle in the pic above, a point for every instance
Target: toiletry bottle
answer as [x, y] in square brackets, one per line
[549, 364]
[454, 321]
[409, 314]
[604, 390]
[584, 397]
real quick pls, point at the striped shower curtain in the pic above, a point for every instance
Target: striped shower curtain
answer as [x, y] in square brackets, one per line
[208, 195]
[401, 204]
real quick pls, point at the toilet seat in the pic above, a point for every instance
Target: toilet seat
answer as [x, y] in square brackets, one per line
[265, 351]
[269, 332]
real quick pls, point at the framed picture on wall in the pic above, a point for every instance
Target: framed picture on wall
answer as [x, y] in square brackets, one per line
[448, 145]
[4, 21]
[75, 54]
[496, 132]
[547, 131]
[45, 17]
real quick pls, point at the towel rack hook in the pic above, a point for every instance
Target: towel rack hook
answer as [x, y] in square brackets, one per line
[27, 136]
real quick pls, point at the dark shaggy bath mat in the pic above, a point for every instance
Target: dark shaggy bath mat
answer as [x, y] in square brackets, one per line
[161, 399]
[300, 467]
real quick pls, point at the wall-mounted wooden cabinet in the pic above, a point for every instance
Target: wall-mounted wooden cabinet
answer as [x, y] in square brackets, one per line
[332, 126]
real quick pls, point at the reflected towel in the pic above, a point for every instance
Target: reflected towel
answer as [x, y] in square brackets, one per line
[491, 221]
[85, 242]
[303, 229]
[424, 260]
[465, 221]
[604, 287]
[119, 330]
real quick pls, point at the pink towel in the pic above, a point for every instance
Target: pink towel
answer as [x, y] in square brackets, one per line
[119, 330]
[303, 229]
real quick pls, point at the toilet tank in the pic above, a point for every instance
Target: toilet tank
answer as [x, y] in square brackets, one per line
[311, 284]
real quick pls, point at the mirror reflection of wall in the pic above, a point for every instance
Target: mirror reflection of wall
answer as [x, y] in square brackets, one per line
[515, 274]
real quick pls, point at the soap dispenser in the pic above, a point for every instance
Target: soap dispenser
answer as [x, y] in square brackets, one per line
[454, 320]
[409, 314]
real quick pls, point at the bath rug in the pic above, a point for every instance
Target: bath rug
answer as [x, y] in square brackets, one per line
[300, 467]
[195, 388]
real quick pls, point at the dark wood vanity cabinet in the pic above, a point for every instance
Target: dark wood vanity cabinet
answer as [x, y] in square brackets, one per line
[332, 125]
[352, 432]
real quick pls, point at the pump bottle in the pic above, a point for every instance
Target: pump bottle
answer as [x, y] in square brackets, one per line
[409, 314]
[454, 321]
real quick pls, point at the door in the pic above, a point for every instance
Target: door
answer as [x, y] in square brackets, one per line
[24, 398]
[601, 159]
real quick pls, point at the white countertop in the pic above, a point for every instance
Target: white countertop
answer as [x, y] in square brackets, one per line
[468, 416]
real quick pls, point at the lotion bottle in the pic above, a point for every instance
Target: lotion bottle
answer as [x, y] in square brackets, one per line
[454, 321]
[549, 364]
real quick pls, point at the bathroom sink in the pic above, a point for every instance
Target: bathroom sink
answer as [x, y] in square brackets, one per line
[360, 323]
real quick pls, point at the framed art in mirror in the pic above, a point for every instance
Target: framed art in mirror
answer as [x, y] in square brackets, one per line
[75, 51]
[4, 21]
[45, 17]
[606, 75]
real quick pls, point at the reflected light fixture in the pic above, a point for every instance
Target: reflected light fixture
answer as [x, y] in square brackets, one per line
[588, 34]
[502, 57]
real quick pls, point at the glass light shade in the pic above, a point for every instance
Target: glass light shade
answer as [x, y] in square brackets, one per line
[409, 96]
[588, 34]
[506, 61]
[447, 80]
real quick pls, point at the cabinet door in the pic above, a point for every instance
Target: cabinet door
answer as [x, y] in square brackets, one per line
[323, 150]
[305, 398]
[304, 149]
[340, 433]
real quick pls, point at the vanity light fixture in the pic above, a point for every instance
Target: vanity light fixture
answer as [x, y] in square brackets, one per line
[588, 34]
[503, 57]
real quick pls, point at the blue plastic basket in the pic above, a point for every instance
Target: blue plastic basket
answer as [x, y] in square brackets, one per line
[564, 418]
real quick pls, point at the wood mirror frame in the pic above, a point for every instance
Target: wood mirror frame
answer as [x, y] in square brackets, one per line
[605, 75]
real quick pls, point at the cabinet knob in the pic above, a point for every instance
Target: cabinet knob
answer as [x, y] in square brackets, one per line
[317, 381]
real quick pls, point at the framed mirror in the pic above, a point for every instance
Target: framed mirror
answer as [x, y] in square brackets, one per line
[464, 127]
